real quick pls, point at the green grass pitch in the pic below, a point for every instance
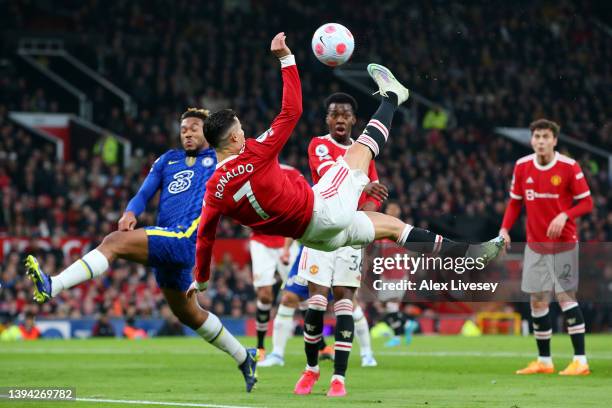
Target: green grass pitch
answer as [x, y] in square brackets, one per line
[432, 372]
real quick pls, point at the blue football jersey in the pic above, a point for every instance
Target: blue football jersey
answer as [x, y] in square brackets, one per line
[182, 182]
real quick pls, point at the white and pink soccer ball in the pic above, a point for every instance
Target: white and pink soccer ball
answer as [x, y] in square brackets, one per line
[333, 44]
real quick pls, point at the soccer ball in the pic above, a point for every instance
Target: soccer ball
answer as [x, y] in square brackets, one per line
[333, 44]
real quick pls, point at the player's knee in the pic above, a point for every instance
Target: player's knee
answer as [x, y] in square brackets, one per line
[314, 289]
[266, 299]
[566, 298]
[341, 292]
[538, 305]
[264, 295]
[111, 243]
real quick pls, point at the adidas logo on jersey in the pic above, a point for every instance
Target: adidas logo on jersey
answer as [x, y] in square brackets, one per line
[529, 180]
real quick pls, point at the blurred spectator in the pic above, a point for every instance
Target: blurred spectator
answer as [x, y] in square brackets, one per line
[132, 332]
[435, 118]
[11, 332]
[29, 331]
[108, 148]
[103, 326]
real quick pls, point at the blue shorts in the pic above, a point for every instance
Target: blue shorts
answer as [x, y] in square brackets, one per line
[296, 284]
[172, 256]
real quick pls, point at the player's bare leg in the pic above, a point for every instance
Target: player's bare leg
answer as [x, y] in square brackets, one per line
[205, 323]
[369, 226]
[358, 156]
[210, 328]
[185, 309]
[131, 245]
[576, 329]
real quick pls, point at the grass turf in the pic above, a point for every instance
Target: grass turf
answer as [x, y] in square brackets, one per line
[432, 372]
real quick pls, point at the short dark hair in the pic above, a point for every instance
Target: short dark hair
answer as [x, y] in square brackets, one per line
[545, 124]
[196, 113]
[217, 125]
[341, 97]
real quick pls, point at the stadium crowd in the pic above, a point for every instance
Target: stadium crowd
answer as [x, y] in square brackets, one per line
[506, 64]
[451, 179]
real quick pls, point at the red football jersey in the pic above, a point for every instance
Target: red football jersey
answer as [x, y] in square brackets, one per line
[547, 191]
[322, 154]
[251, 188]
[277, 241]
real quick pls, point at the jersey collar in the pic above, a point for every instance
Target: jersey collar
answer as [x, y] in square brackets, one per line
[221, 163]
[331, 139]
[546, 167]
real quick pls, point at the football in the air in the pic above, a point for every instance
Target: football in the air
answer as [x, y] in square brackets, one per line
[333, 44]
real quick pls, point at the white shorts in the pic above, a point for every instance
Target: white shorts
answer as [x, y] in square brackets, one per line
[266, 261]
[548, 272]
[341, 267]
[335, 220]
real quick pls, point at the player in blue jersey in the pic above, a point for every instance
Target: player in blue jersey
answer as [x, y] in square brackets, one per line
[180, 175]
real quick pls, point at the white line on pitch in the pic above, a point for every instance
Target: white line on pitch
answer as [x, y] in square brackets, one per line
[398, 353]
[164, 403]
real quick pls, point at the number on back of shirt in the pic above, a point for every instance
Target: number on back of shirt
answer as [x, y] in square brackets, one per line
[247, 190]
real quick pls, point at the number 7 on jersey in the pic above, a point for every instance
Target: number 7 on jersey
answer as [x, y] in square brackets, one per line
[247, 190]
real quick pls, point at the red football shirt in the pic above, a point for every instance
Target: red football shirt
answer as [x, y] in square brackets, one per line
[322, 154]
[547, 191]
[251, 188]
[277, 241]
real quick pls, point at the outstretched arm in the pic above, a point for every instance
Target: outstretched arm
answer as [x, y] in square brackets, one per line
[207, 231]
[138, 203]
[272, 140]
[513, 209]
